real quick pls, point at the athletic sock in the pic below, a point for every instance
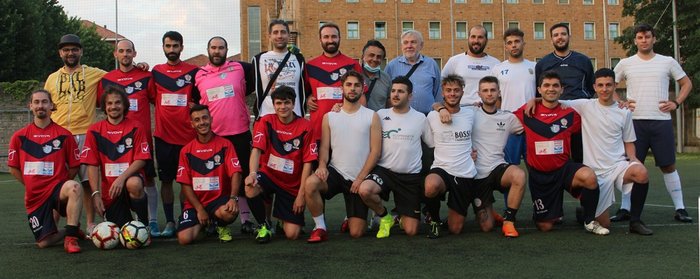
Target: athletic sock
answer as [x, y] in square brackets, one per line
[639, 196]
[383, 214]
[509, 214]
[320, 222]
[71, 230]
[152, 194]
[673, 186]
[257, 207]
[589, 201]
[626, 202]
[433, 206]
[169, 214]
[243, 209]
[140, 206]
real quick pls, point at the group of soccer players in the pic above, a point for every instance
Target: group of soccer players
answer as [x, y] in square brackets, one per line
[423, 134]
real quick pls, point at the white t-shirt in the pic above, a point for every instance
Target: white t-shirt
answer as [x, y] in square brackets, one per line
[471, 69]
[605, 131]
[289, 76]
[491, 131]
[517, 83]
[350, 140]
[647, 83]
[453, 143]
[401, 137]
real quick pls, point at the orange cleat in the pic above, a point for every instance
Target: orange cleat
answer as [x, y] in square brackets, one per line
[318, 235]
[70, 244]
[509, 230]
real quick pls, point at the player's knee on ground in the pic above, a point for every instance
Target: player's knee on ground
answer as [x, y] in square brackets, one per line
[455, 222]
[291, 231]
[186, 236]
[585, 177]
[368, 188]
[544, 226]
[410, 225]
[357, 227]
[433, 184]
[135, 187]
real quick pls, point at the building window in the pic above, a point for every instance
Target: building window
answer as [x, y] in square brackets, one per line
[513, 24]
[613, 2]
[406, 1]
[486, 1]
[406, 25]
[352, 1]
[379, 1]
[489, 29]
[324, 1]
[460, 1]
[512, 1]
[380, 30]
[563, 1]
[595, 63]
[254, 29]
[589, 31]
[438, 60]
[539, 31]
[433, 1]
[321, 23]
[613, 30]
[461, 30]
[537, 1]
[353, 30]
[434, 30]
[613, 62]
[537, 59]
[588, 2]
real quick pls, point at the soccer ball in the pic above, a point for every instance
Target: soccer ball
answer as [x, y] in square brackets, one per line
[134, 235]
[105, 235]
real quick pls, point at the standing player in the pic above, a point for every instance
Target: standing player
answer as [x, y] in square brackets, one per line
[175, 94]
[139, 87]
[647, 75]
[551, 172]
[210, 174]
[472, 65]
[74, 89]
[117, 149]
[453, 169]
[278, 67]
[398, 169]
[608, 138]
[377, 81]
[43, 157]
[283, 149]
[354, 135]
[492, 129]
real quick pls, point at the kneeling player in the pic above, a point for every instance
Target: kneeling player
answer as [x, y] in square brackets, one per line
[283, 150]
[43, 156]
[210, 174]
[117, 149]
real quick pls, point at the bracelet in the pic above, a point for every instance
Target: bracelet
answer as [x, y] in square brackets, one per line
[235, 198]
[94, 193]
[678, 105]
[441, 108]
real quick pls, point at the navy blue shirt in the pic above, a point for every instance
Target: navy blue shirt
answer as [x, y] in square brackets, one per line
[575, 70]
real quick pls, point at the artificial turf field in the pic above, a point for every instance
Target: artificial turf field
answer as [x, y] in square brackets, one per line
[569, 251]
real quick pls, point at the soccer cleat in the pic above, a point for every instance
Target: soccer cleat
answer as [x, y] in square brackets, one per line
[621, 215]
[640, 228]
[169, 230]
[264, 234]
[385, 225]
[224, 234]
[318, 235]
[153, 228]
[595, 228]
[508, 229]
[345, 226]
[497, 218]
[248, 228]
[682, 216]
[70, 244]
[434, 231]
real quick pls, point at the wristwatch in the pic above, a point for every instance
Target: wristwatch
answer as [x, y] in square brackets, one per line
[235, 198]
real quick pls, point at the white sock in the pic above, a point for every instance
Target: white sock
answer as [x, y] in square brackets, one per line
[320, 222]
[152, 195]
[626, 201]
[673, 186]
[243, 209]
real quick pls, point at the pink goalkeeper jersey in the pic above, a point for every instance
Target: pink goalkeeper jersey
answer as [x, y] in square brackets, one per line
[223, 89]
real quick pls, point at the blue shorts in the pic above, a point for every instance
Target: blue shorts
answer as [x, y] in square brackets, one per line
[515, 149]
[283, 206]
[547, 190]
[657, 135]
[41, 220]
[189, 218]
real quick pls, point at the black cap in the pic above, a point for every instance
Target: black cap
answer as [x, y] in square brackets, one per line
[70, 39]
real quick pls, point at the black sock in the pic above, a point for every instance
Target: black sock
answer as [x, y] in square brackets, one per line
[509, 214]
[637, 200]
[589, 201]
[383, 214]
[257, 208]
[140, 206]
[71, 230]
[168, 209]
[433, 206]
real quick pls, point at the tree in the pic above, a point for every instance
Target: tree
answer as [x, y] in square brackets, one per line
[651, 11]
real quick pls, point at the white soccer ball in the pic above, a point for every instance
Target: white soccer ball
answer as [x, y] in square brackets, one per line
[105, 235]
[134, 235]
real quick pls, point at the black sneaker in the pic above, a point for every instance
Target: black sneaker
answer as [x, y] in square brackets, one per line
[434, 230]
[248, 228]
[640, 228]
[621, 215]
[682, 216]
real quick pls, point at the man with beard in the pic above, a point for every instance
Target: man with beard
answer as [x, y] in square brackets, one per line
[224, 86]
[139, 87]
[43, 157]
[472, 65]
[175, 94]
[210, 174]
[74, 89]
[115, 152]
[355, 136]
[278, 67]
[378, 82]
[323, 76]
[422, 70]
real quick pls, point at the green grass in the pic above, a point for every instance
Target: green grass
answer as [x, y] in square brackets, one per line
[566, 252]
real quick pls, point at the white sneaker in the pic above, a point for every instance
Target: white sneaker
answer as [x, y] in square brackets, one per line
[595, 228]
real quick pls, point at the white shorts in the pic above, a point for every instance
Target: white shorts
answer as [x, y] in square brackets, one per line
[82, 172]
[607, 179]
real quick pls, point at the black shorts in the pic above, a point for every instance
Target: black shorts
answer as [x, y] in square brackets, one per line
[407, 188]
[493, 181]
[354, 206]
[189, 219]
[547, 190]
[41, 220]
[242, 143]
[167, 159]
[119, 212]
[283, 206]
[657, 135]
[463, 192]
[150, 169]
